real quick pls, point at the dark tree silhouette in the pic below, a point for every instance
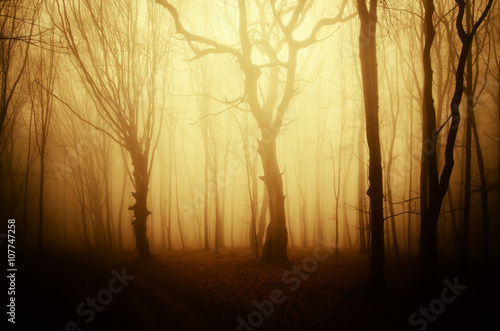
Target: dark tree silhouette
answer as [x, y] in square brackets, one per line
[368, 56]
[119, 73]
[438, 184]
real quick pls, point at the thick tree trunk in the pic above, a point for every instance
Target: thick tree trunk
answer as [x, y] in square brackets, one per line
[428, 177]
[368, 57]
[274, 250]
[141, 212]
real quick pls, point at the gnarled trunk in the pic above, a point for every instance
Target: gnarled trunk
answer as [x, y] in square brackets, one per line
[141, 212]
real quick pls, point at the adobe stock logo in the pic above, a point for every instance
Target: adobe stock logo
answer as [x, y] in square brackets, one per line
[448, 295]
[103, 298]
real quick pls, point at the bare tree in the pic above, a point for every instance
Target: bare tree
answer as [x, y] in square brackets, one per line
[438, 183]
[118, 61]
[269, 120]
[473, 92]
[42, 69]
[18, 20]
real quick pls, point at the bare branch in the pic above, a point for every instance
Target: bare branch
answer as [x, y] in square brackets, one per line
[196, 38]
[81, 118]
[325, 22]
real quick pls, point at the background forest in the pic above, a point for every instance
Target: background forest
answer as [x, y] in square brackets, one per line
[253, 126]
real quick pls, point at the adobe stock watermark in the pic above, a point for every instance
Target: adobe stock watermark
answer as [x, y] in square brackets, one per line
[295, 276]
[91, 305]
[437, 306]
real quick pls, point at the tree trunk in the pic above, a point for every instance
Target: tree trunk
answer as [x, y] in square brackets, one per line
[274, 250]
[27, 177]
[169, 204]
[122, 199]
[361, 188]
[141, 212]
[368, 57]
[468, 167]
[263, 217]
[479, 155]
[107, 204]
[206, 245]
[40, 199]
[163, 212]
[217, 242]
[438, 186]
[410, 179]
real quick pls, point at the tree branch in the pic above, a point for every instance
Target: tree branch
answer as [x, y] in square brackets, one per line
[325, 22]
[194, 37]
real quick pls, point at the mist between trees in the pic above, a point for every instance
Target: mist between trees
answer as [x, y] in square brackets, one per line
[174, 125]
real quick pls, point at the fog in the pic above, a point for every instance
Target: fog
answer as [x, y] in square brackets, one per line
[100, 81]
[211, 165]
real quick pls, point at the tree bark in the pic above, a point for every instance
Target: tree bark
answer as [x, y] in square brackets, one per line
[274, 250]
[368, 57]
[263, 217]
[141, 212]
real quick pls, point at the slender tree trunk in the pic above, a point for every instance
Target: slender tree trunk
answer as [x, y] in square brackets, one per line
[410, 179]
[438, 185]
[390, 203]
[163, 212]
[122, 200]
[107, 204]
[263, 217]
[368, 57]
[217, 241]
[468, 177]
[40, 199]
[336, 192]
[479, 155]
[318, 217]
[361, 187]
[205, 207]
[169, 203]
[23, 236]
[346, 227]
[456, 233]
[483, 191]
[394, 98]
[362, 225]
[177, 200]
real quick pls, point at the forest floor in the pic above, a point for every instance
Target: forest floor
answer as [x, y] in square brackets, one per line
[198, 290]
